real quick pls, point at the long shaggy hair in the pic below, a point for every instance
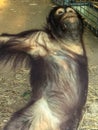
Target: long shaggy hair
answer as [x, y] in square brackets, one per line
[58, 72]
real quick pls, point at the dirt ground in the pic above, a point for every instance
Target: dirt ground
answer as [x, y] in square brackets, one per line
[17, 16]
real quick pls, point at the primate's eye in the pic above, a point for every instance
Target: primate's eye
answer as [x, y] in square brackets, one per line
[70, 10]
[60, 11]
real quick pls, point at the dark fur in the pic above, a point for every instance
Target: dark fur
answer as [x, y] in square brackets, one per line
[58, 74]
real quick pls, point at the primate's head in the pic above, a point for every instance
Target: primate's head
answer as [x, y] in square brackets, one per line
[63, 20]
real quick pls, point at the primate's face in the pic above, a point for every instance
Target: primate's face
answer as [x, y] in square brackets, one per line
[64, 19]
[66, 14]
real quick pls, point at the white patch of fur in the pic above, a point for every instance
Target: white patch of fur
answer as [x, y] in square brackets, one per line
[43, 118]
[4, 38]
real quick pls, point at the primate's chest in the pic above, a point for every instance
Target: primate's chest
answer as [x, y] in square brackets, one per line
[63, 60]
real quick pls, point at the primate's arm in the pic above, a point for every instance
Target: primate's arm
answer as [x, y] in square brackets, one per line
[18, 48]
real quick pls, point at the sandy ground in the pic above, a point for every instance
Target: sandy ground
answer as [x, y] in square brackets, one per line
[17, 16]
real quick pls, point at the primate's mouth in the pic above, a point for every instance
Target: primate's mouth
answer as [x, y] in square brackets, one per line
[69, 16]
